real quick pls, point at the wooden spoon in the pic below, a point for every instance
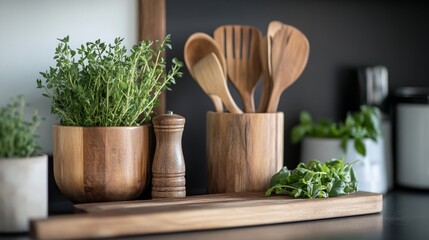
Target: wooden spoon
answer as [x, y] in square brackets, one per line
[290, 50]
[273, 28]
[208, 72]
[198, 46]
[241, 47]
[265, 52]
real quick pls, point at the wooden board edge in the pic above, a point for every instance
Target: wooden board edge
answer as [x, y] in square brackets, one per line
[100, 225]
[206, 198]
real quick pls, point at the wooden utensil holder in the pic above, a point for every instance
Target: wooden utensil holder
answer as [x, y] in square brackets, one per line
[243, 150]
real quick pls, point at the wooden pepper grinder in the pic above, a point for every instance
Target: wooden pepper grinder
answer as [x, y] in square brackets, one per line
[168, 169]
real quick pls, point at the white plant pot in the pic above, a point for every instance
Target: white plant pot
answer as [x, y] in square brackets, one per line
[23, 192]
[370, 170]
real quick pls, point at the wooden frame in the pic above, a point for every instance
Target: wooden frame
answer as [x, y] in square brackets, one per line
[152, 25]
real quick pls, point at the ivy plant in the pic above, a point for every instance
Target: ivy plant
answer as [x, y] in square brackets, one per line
[101, 84]
[18, 137]
[358, 126]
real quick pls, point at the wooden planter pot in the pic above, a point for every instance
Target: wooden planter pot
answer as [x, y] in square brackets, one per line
[243, 150]
[98, 164]
[23, 192]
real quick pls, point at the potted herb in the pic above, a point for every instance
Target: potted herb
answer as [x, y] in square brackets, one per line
[104, 97]
[23, 172]
[355, 138]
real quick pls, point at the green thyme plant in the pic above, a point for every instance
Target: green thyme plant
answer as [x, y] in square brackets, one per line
[101, 84]
[18, 136]
[357, 126]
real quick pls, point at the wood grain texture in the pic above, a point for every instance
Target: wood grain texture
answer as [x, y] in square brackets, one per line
[95, 164]
[152, 25]
[243, 150]
[198, 46]
[273, 28]
[241, 47]
[168, 169]
[199, 213]
[209, 74]
[289, 55]
[266, 77]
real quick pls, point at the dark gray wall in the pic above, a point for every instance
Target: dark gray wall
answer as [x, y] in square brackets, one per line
[343, 35]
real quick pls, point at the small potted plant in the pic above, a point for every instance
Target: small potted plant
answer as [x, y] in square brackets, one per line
[357, 139]
[104, 97]
[23, 172]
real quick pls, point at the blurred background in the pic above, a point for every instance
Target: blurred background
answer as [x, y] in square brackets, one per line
[344, 36]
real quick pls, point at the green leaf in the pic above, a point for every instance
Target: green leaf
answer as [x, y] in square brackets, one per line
[101, 84]
[308, 176]
[360, 146]
[305, 118]
[315, 179]
[283, 173]
[18, 136]
[337, 188]
[269, 192]
[298, 133]
[123, 85]
[364, 124]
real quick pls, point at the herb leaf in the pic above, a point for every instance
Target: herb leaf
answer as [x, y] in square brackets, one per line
[283, 173]
[101, 84]
[315, 180]
[18, 136]
[357, 126]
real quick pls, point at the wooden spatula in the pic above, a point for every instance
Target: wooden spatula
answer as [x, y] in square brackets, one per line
[198, 46]
[241, 47]
[208, 72]
[273, 28]
[289, 54]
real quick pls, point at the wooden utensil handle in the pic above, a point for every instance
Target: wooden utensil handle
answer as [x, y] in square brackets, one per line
[265, 94]
[266, 78]
[273, 101]
[248, 102]
[217, 102]
[230, 104]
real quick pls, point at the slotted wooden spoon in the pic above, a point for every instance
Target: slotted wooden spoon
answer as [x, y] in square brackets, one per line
[198, 46]
[208, 72]
[289, 54]
[240, 45]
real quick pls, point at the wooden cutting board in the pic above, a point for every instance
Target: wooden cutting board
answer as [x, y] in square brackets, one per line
[199, 213]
